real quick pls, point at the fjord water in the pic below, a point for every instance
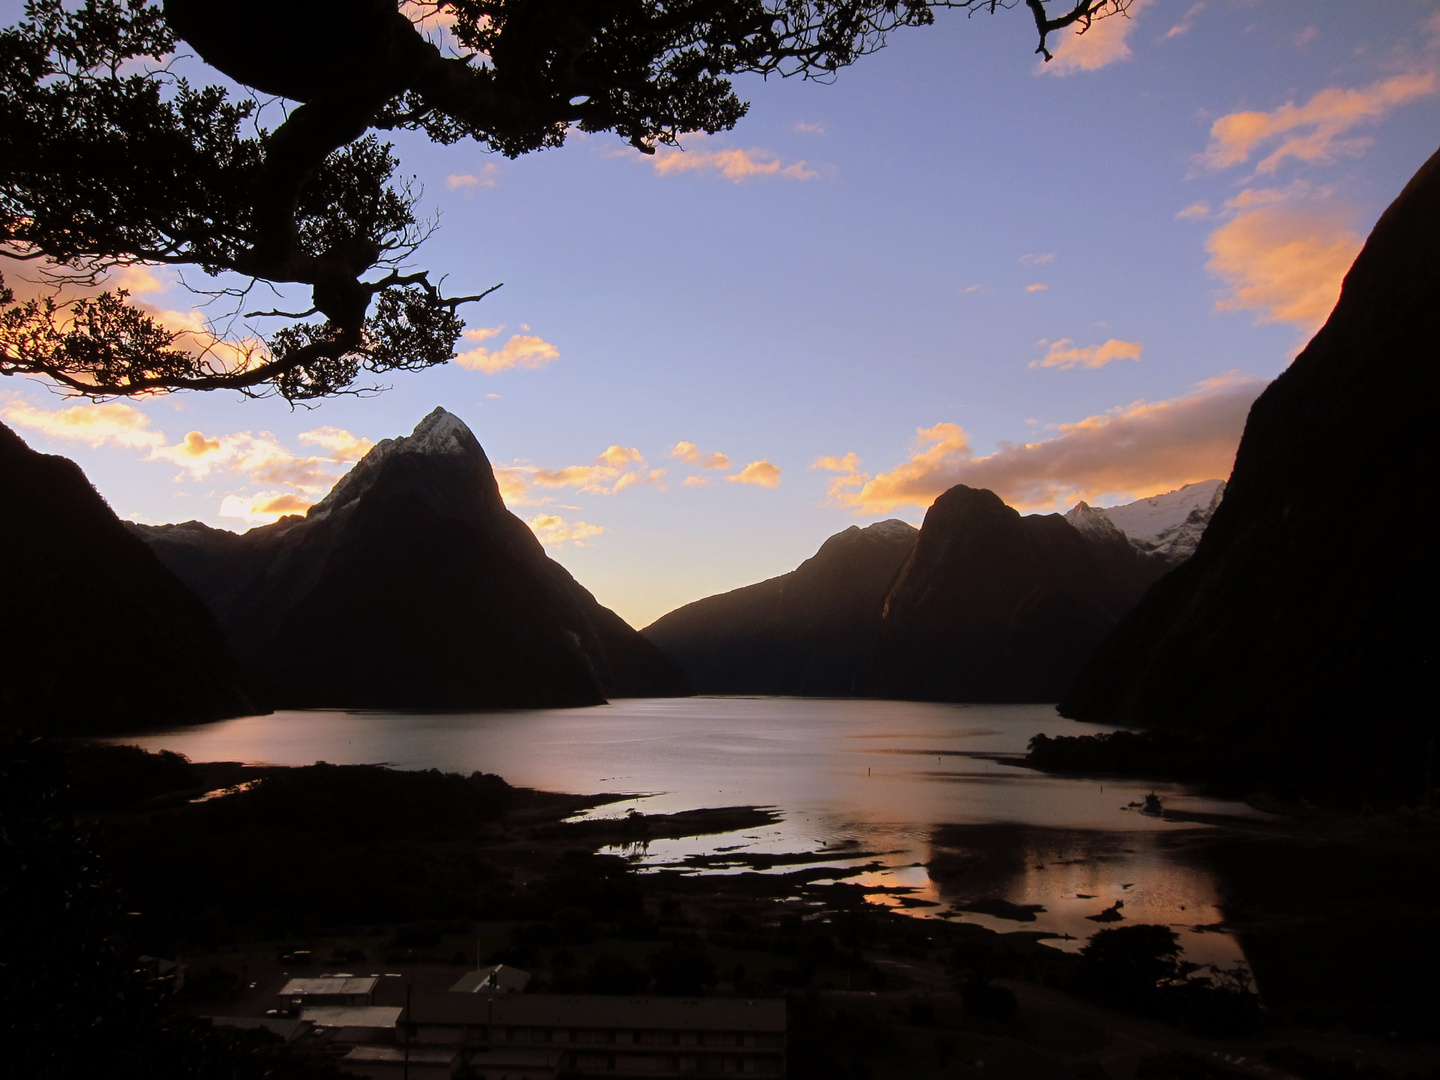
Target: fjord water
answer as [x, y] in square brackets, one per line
[914, 781]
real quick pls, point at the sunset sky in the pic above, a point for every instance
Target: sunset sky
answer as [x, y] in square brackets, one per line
[953, 264]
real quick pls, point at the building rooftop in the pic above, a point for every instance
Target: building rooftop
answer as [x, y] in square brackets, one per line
[599, 1011]
[395, 1055]
[357, 1016]
[330, 984]
[495, 979]
[286, 1028]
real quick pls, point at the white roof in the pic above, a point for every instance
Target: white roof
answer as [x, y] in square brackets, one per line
[330, 984]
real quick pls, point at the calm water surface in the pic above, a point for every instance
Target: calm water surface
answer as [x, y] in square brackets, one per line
[910, 780]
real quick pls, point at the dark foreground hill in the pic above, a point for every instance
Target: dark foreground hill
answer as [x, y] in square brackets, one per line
[411, 586]
[810, 632]
[99, 636]
[1305, 622]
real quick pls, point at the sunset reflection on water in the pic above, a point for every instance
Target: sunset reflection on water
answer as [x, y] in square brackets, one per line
[910, 782]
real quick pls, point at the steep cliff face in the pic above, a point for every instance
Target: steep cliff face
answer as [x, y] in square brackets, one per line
[812, 631]
[992, 606]
[410, 585]
[99, 636]
[1299, 622]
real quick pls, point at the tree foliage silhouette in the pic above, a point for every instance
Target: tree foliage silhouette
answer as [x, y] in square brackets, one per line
[109, 158]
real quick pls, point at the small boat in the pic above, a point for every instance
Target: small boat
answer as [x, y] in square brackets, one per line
[1153, 807]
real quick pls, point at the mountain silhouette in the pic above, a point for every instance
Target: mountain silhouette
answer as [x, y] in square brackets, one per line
[411, 586]
[1305, 622]
[99, 636]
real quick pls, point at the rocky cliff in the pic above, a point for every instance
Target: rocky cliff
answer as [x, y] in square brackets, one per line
[1303, 620]
[99, 636]
[812, 631]
[992, 606]
[411, 586]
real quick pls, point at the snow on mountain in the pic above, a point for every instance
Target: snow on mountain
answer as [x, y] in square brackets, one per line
[440, 433]
[1168, 525]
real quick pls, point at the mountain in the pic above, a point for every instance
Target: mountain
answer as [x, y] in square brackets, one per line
[411, 586]
[992, 606]
[1167, 526]
[810, 632]
[1306, 622]
[99, 636]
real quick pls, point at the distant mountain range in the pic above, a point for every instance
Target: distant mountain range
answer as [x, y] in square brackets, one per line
[1304, 626]
[411, 586]
[979, 604]
[99, 637]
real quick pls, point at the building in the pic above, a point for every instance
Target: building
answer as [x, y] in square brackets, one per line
[590, 1035]
[328, 990]
[495, 979]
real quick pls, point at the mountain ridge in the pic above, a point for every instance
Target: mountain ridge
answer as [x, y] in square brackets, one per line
[415, 539]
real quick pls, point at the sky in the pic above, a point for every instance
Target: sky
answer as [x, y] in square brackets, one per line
[949, 264]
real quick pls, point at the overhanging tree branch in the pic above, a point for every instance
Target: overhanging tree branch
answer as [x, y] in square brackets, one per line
[108, 159]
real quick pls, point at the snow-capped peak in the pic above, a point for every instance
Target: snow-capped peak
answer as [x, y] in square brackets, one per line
[440, 433]
[1168, 525]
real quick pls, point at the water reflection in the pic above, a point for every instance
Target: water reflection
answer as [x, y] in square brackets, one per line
[911, 782]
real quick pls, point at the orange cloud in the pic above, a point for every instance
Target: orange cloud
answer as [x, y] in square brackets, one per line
[696, 481]
[1284, 262]
[1313, 131]
[616, 469]
[554, 530]
[690, 454]
[1064, 354]
[1038, 260]
[343, 446]
[1132, 452]
[620, 456]
[1193, 211]
[196, 445]
[522, 351]
[850, 463]
[514, 484]
[264, 508]
[113, 423]
[736, 166]
[1101, 44]
[1187, 23]
[760, 473]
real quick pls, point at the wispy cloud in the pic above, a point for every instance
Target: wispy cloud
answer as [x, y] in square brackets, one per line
[1132, 451]
[111, 423]
[487, 176]
[736, 165]
[1065, 354]
[613, 470]
[1186, 23]
[554, 531]
[1038, 260]
[1315, 131]
[815, 128]
[1101, 44]
[1194, 211]
[690, 454]
[759, 473]
[521, 351]
[264, 508]
[1036, 287]
[249, 457]
[1283, 256]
